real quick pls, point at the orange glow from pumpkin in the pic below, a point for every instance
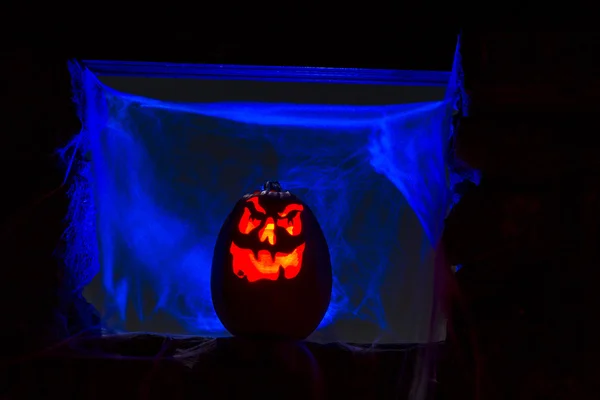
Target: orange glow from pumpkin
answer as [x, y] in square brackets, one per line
[265, 266]
[290, 208]
[254, 200]
[268, 232]
[247, 223]
[292, 225]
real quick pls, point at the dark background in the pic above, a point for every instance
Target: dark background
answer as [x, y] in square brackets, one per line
[200, 90]
[521, 349]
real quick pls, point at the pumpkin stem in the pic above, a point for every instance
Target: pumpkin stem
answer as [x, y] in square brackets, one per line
[272, 186]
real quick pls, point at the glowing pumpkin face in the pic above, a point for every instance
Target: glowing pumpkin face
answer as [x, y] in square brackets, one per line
[268, 231]
[271, 272]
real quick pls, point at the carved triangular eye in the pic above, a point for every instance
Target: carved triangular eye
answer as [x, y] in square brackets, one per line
[252, 217]
[248, 222]
[289, 219]
[254, 202]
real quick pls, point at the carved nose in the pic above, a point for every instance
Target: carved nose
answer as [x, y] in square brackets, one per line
[268, 232]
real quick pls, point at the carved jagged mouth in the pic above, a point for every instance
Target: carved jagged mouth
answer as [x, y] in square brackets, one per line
[265, 265]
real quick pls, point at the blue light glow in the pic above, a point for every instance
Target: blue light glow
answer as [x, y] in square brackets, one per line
[354, 76]
[147, 208]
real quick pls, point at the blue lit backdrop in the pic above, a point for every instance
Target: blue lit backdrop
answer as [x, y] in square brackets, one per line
[157, 179]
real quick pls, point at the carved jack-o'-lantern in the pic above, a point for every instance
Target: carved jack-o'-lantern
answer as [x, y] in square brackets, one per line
[271, 273]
